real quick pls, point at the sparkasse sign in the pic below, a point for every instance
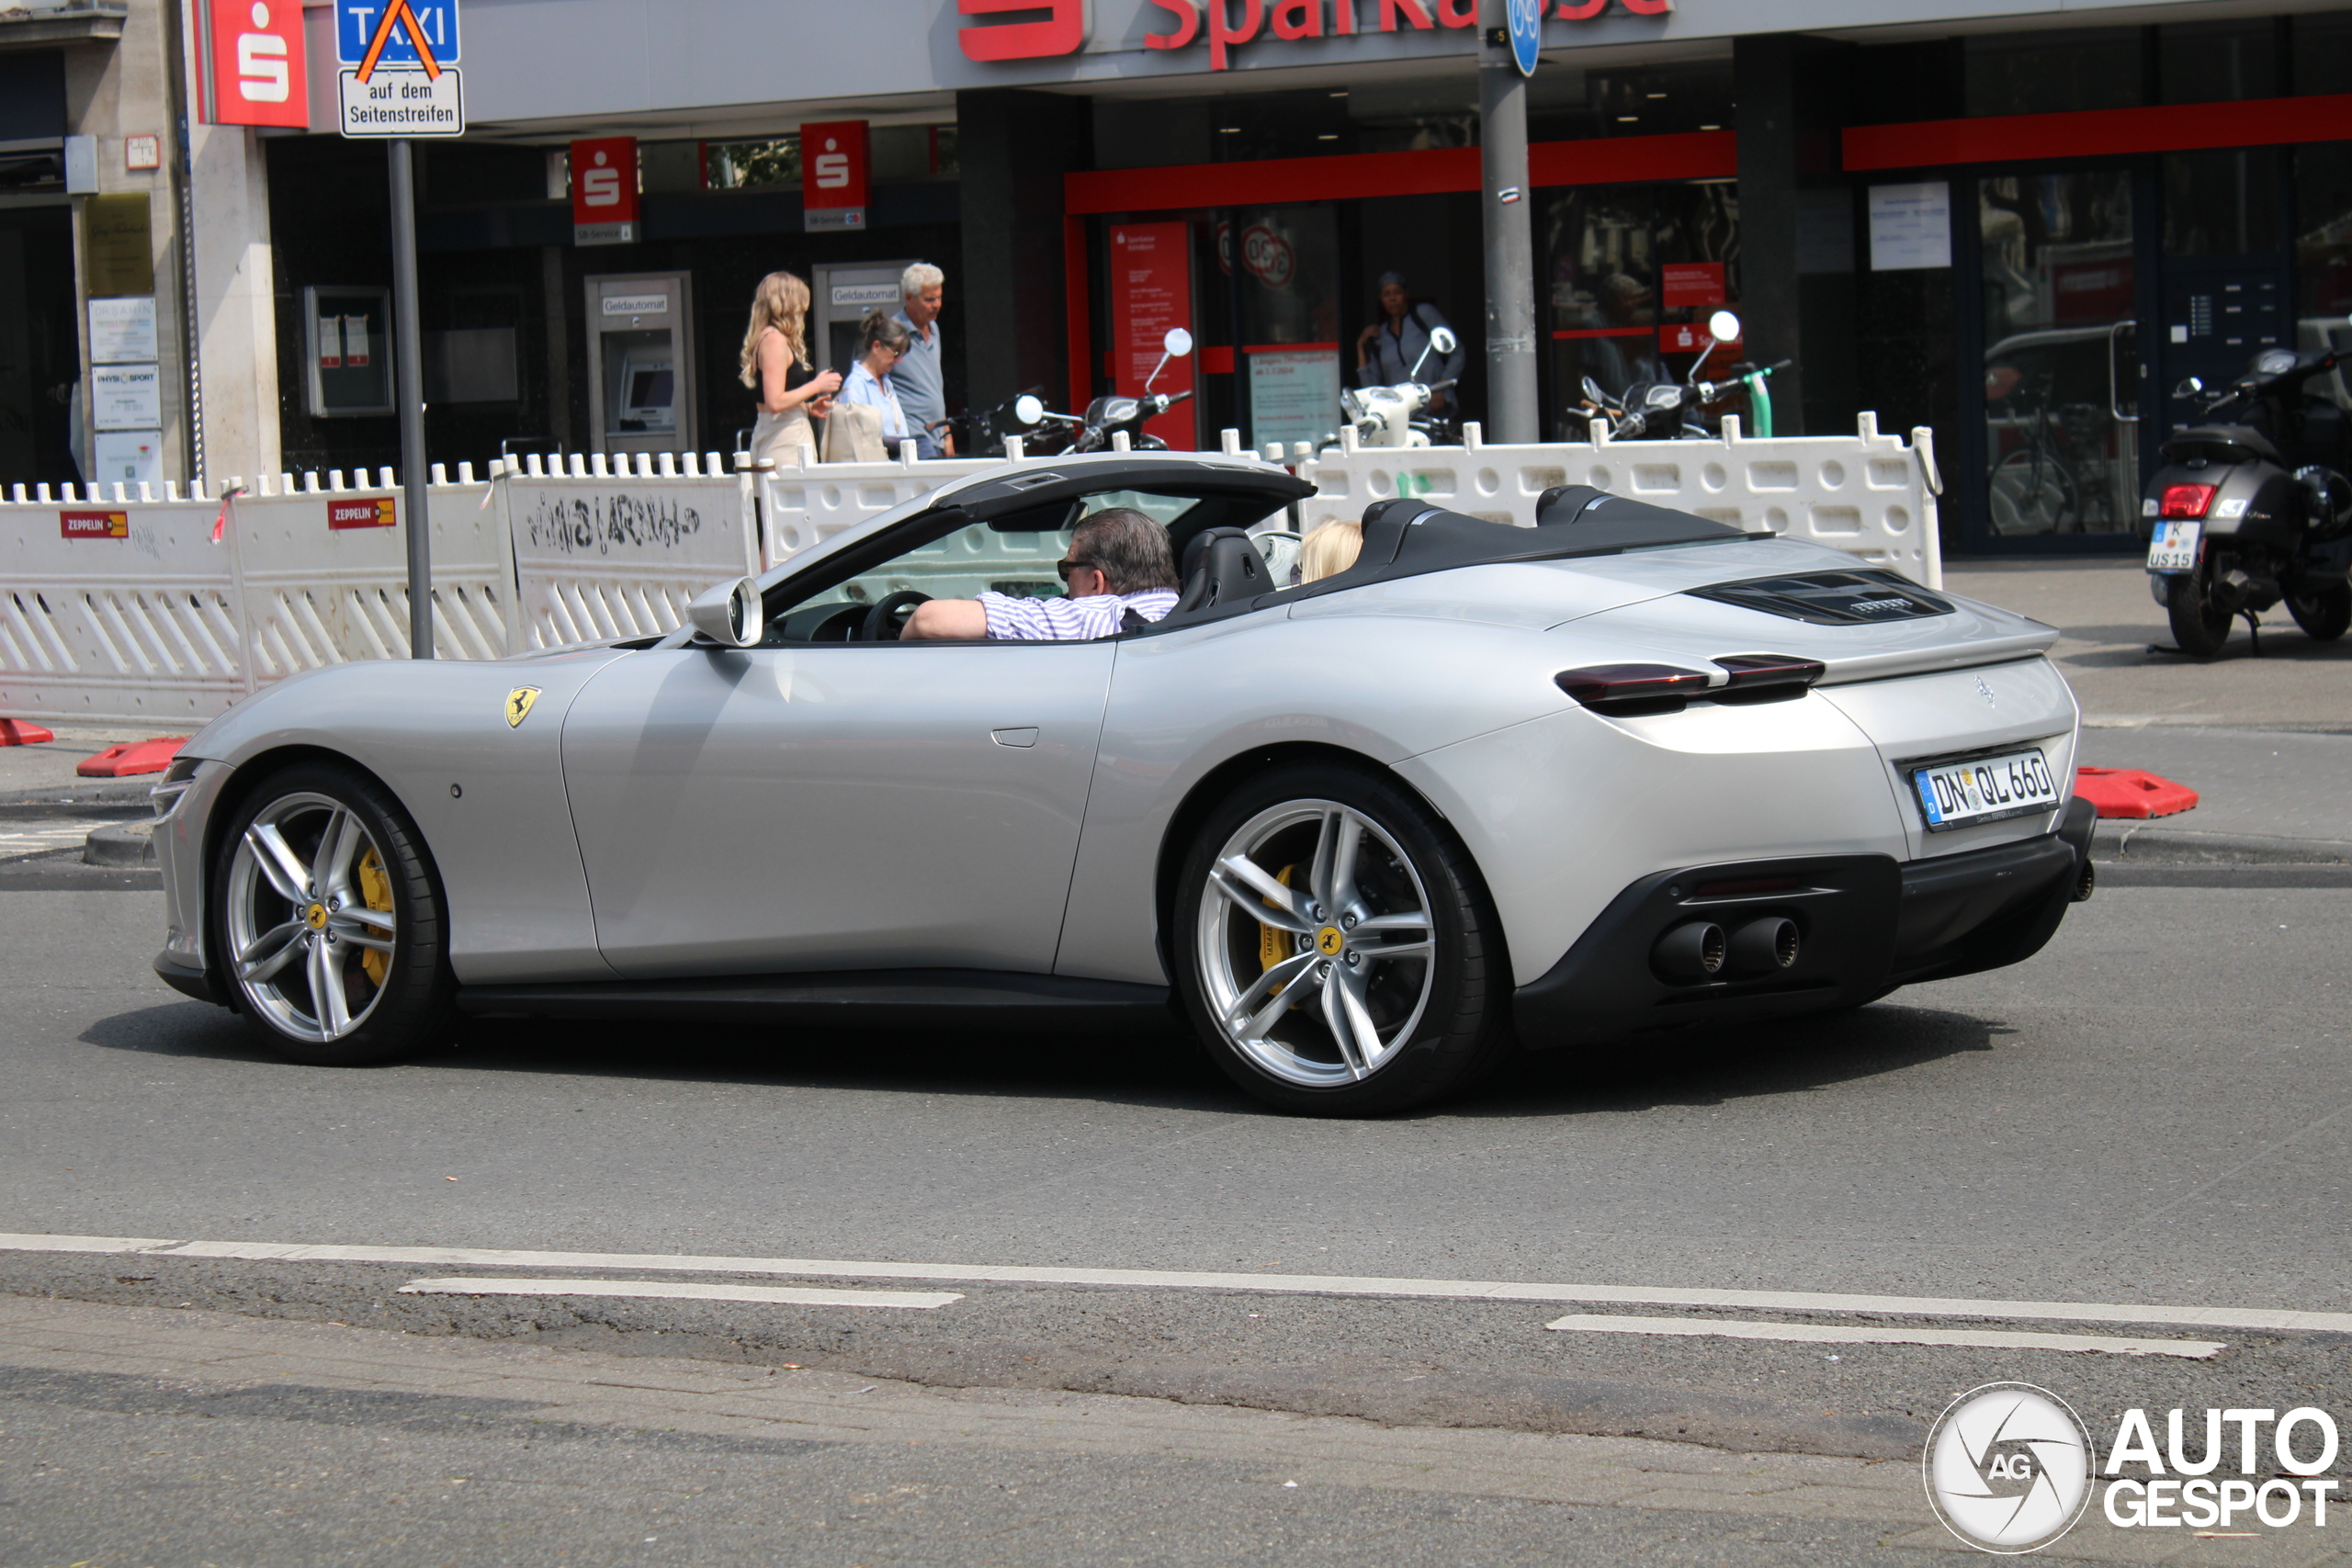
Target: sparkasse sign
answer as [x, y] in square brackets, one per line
[1226, 25]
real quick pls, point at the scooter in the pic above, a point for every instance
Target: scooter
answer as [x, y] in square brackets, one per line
[2251, 506]
[1669, 411]
[1107, 417]
[1387, 416]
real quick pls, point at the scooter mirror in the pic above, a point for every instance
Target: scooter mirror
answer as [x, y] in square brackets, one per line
[1028, 409]
[2188, 389]
[1177, 343]
[1444, 340]
[1592, 389]
[1724, 327]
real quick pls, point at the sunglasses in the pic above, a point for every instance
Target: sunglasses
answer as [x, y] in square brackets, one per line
[1066, 567]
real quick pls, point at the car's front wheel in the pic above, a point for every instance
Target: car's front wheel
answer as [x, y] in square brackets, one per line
[1337, 952]
[328, 919]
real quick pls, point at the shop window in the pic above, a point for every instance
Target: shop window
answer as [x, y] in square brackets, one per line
[745, 165]
[1569, 104]
[470, 173]
[1632, 272]
[2221, 203]
[1286, 262]
[2203, 62]
[2324, 215]
[471, 353]
[2055, 71]
[2322, 56]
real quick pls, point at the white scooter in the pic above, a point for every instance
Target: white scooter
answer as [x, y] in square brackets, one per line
[1382, 416]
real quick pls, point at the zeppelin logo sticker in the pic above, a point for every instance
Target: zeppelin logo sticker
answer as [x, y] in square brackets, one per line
[372, 514]
[94, 525]
[518, 704]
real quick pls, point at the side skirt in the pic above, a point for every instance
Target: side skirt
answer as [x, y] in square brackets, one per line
[877, 998]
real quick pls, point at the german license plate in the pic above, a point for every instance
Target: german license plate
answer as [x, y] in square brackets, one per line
[1959, 795]
[2172, 546]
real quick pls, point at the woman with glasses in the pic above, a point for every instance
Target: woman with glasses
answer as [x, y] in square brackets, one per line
[874, 437]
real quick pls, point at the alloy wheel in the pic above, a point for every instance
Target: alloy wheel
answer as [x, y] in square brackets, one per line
[311, 929]
[1314, 943]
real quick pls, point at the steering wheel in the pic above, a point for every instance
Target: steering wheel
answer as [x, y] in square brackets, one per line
[888, 617]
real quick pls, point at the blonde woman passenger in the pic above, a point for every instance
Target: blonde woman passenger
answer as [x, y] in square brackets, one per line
[1329, 550]
[775, 365]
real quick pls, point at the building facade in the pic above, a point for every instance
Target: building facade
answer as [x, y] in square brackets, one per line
[2018, 224]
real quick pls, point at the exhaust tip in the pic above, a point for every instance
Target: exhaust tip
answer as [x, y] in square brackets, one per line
[2086, 881]
[1765, 947]
[1691, 951]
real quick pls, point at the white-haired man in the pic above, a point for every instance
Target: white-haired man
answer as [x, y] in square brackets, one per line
[923, 390]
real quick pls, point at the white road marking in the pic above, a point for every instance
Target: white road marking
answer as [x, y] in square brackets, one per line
[679, 1290]
[2267, 1319]
[17, 843]
[1833, 1333]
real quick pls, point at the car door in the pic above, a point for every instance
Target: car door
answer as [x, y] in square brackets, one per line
[839, 806]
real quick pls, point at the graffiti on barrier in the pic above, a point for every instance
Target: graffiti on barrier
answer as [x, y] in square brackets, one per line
[607, 524]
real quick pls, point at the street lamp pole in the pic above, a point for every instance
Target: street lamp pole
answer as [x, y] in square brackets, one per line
[1510, 248]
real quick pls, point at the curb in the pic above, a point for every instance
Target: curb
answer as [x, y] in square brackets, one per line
[2126, 840]
[131, 844]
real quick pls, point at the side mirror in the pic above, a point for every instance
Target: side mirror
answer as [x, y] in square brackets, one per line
[729, 614]
[2188, 389]
[1724, 327]
[1177, 343]
[1028, 409]
[1444, 340]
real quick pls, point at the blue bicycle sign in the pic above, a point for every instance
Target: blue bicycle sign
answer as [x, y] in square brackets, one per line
[1526, 33]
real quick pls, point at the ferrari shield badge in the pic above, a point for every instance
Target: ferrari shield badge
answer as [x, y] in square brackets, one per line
[518, 704]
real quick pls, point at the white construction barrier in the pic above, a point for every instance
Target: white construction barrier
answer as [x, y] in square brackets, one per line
[804, 506]
[618, 550]
[1867, 493]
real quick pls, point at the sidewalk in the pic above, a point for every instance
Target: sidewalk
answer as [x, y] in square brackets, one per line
[522, 1390]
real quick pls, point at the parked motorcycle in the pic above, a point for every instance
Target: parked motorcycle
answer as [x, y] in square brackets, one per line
[1108, 416]
[2252, 506]
[1670, 410]
[1393, 416]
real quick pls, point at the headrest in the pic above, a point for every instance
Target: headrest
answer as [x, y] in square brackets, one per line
[1221, 565]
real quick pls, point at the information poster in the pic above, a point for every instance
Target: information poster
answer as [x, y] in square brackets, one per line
[1151, 284]
[127, 456]
[1293, 394]
[1910, 226]
[122, 332]
[126, 397]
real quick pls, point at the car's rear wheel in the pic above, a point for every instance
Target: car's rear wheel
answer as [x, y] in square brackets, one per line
[328, 919]
[1337, 951]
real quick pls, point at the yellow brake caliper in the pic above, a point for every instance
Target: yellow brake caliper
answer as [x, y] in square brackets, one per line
[1275, 946]
[376, 892]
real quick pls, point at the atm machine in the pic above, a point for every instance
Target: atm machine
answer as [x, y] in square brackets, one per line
[641, 363]
[844, 292]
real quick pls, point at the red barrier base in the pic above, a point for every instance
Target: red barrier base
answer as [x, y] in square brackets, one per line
[22, 732]
[2129, 792]
[132, 757]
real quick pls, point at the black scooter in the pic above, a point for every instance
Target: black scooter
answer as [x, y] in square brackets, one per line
[2251, 506]
[1108, 416]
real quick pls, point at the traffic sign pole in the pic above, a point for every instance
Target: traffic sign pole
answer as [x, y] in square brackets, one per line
[408, 369]
[1512, 399]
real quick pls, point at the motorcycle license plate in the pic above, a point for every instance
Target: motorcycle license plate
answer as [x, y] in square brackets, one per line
[1960, 794]
[2172, 546]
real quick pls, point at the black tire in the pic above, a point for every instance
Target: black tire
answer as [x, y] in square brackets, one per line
[2198, 625]
[2325, 616]
[389, 1008]
[1455, 1035]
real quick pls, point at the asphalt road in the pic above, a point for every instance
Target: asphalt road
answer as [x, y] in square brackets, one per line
[2155, 1110]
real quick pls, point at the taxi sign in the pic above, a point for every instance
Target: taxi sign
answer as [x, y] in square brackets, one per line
[357, 23]
[401, 76]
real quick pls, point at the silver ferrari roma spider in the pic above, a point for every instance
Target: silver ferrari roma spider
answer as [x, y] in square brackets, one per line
[1624, 773]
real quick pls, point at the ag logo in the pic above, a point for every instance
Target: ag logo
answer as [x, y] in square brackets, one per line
[2009, 1468]
[518, 704]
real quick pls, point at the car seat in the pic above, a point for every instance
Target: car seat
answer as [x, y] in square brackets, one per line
[1221, 565]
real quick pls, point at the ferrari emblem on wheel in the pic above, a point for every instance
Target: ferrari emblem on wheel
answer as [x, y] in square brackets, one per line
[518, 704]
[1329, 941]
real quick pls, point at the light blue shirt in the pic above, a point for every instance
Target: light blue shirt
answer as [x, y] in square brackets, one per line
[875, 391]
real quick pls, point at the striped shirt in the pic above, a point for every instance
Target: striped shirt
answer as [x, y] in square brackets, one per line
[1069, 620]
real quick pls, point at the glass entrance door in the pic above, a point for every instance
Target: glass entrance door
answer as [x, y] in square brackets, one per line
[2062, 356]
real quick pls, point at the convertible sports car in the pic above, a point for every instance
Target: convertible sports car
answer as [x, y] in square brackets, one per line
[1627, 772]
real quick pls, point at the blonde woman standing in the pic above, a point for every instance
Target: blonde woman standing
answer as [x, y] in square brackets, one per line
[775, 363]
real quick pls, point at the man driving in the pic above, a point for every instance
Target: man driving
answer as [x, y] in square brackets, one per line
[1119, 560]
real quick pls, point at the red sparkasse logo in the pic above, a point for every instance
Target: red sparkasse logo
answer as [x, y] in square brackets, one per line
[94, 525]
[1060, 29]
[260, 75]
[374, 513]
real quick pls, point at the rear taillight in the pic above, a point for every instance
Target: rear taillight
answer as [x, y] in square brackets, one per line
[1766, 677]
[2185, 502]
[1627, 690]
